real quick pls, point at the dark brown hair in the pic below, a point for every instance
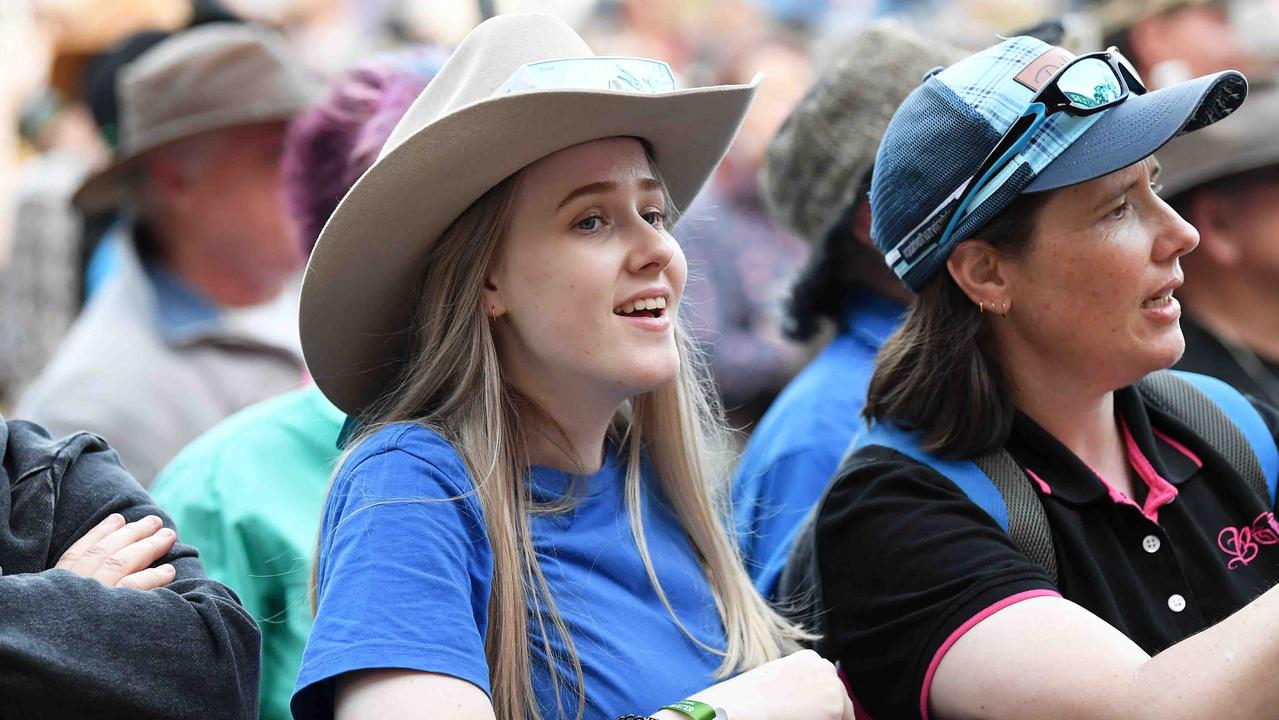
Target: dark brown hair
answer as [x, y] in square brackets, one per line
[838, 264]
[937, 374]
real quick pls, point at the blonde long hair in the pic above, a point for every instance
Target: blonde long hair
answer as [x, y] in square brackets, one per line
[454, 385]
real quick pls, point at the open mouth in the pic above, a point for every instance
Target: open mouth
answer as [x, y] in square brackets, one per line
[1161, 300]
[653, 307]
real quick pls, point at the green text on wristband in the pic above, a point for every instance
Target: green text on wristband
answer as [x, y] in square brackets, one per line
[692, 709]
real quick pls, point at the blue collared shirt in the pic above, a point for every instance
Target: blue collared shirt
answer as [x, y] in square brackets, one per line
[182, 313]
[797, 446]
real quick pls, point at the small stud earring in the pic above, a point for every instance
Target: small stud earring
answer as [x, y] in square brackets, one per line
[982, 305]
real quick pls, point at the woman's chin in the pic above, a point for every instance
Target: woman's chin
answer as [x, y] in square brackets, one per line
[1165, 353]
[640, 379]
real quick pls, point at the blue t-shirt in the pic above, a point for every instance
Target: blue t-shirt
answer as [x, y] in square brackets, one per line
[797, 446]
[405, 570]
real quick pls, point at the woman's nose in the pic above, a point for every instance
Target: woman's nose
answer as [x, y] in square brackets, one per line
[1177, 236]
[654, 248]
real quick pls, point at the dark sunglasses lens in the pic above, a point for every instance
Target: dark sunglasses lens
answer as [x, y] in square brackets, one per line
[1090, 83]
[1135, 83]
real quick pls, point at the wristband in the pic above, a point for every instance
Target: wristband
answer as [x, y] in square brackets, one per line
[695, 710]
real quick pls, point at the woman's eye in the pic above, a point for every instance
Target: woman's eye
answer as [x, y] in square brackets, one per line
[655, 218]
[590, 223]
[1119, 211]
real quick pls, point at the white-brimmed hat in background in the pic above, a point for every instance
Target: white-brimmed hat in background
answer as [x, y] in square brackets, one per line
[213, 76]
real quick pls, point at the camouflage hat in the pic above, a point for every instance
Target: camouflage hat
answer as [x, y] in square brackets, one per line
[824, 151]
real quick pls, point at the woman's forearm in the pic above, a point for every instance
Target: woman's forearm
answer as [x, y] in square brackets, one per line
[1226, 671]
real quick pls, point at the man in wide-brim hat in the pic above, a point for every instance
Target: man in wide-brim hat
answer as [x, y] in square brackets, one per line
[195, 323]
[1225, 181]
[1173, 40]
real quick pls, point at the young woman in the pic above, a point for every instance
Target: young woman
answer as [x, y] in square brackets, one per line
[1045, 282]
[528, 523]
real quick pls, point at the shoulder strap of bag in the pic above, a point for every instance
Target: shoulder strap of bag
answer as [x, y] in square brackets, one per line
[1027, 521]
[995, 482]
[1224, 419]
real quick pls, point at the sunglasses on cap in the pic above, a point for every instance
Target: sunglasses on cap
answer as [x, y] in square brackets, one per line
[1084, 86]
[619, 74]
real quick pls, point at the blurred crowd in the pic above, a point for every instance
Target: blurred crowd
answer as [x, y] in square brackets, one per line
[149, 281]
[60, 60]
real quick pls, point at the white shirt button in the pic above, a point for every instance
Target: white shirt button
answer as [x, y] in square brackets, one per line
[1176, 603]
[1150, 544]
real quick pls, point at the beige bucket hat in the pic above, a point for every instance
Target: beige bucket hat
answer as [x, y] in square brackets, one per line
[211, 77]
[459, 139]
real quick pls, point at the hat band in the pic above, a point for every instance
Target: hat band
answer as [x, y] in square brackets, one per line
[619, 74]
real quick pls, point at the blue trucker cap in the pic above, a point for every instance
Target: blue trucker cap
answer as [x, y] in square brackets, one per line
[948, 125]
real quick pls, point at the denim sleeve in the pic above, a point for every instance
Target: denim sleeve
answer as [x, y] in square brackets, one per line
[72, 647]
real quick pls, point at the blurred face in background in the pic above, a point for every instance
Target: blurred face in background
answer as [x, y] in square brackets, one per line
[1242, 229]
[1204, 38]
[787, 76]
[224, 190]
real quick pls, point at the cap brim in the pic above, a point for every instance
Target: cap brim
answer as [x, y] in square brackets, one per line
[364, 272]
[1137, 127]
[1248, 142]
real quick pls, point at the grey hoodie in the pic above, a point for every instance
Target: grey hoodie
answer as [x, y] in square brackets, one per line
[72, 647]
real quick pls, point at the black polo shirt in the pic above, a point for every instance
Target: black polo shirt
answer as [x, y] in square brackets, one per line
[909, 563]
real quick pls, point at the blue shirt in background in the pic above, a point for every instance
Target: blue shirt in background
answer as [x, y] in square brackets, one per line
[405, 570]
[795, 449]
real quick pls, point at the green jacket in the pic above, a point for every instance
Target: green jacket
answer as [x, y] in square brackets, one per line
[249, 494]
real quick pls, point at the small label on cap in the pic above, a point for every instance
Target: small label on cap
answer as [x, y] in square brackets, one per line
[1042, 68]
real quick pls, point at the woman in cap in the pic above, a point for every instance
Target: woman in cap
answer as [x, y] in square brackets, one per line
[528, 522]
[1015, 192]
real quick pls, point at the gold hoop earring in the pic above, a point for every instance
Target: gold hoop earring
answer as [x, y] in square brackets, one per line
[982, 305]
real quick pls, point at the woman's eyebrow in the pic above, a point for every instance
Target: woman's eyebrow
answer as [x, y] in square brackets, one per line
[595, 188]
[606, 186]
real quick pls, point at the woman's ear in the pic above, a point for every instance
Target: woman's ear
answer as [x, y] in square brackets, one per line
[982, 274]
[491, 295]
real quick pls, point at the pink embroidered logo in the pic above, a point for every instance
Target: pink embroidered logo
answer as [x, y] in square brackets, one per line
[1242, 544]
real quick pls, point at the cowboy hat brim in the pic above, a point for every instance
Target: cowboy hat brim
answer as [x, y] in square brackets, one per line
[361, 281]
[107, 188]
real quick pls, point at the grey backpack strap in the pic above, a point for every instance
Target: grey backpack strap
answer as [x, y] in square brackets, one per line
[1027, 522]
[1181, 399]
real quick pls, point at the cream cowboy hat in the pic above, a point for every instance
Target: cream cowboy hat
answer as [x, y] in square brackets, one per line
[495, 107]
[211, 77]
